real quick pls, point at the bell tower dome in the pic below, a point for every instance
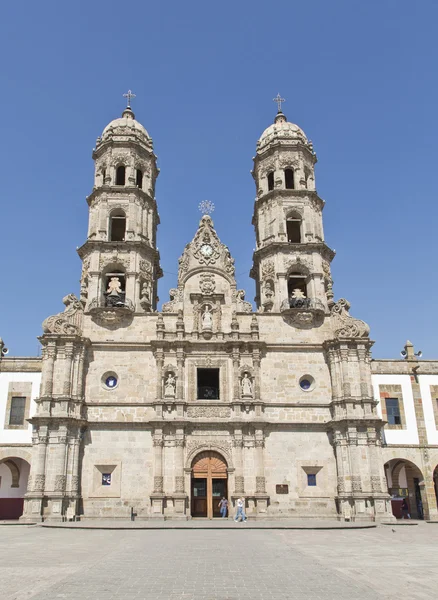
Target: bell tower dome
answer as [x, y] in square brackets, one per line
[120, 258]
[291, 262]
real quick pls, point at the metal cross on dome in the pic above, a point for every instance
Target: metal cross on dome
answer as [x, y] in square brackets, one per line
[206, 207]
[279, 100]
[129, 95]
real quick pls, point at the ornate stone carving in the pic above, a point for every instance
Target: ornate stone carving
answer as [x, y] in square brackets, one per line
[39, 482]
[299, 264]
[207, 284]
[179, 484]
[341, 484]
[344, 325]
[74, 483]
[213, 444]
[158, 484]
[111, 256]
[242, 305]
[375, 483]
[111, 316]
[218, 412]
[239, 484]
[268, 295]
[68, 322]
[176, 296]
[59, 483]
[145, 270]
[206, 250]
[260, 485]
[356, 484]
[268, 270]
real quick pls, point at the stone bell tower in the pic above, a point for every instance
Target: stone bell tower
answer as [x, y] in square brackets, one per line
[291, 262]
[120, 257]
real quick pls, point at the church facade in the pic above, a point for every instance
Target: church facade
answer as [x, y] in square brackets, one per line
[161, 413]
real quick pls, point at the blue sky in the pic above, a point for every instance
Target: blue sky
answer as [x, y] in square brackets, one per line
[358, 77]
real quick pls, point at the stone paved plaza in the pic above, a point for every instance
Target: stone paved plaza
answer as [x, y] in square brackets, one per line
[387, 562]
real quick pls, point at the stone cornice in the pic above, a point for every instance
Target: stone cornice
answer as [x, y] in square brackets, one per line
[288, 248]
[310, 195]
[118, 193]
[126, 246]
[283, 144]
[23, 364]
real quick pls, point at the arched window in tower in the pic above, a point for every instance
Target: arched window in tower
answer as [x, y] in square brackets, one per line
[139, 178]
[120, 175]
[293, 227]
[114, 288]
[271, 181]
[289, 179]
[297, 290]
[103, 176]
[117, 226]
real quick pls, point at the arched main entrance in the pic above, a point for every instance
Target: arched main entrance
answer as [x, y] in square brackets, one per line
[14, 474]
[209, 484]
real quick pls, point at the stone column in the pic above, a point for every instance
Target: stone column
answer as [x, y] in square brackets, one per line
[48, 368]
[260, 493]
[236, 359]
[159, 357]
[256, 363]
[157, 496]
[68, 358]
[158, 462]
[39, 462]
[239, 481]
[179, 495]
[180, 375]
[33, 508]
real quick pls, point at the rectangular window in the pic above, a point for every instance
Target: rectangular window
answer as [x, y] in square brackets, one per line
[106, 478]
[18, 407]
[293, 231]
[311, 479]
[393, 411]
[208, 384]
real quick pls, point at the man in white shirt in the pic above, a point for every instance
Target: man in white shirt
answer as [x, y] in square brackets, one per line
[240, 510]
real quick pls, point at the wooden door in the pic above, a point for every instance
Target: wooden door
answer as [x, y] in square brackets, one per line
[209, 484]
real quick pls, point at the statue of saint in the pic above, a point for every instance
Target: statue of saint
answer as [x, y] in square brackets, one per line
[114, 286]
[207, 321]
[145, 292]
[169, 386]
[269, 291]
[246, 386]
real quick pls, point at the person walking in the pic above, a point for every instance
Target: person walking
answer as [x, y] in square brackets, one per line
[240, 510]
[223, 506]
[405, 509]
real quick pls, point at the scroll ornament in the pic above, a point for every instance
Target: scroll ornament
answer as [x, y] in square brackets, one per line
[346, 326]
[68, 322]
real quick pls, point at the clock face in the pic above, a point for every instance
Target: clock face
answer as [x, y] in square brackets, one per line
[206, 250]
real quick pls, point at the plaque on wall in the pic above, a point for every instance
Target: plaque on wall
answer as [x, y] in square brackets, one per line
[282, 489]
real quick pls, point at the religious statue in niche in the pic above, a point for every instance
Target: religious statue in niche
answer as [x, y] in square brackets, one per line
[246, 386]
[269, 294]
[170, 386]
[145, 298]
[207, 319]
